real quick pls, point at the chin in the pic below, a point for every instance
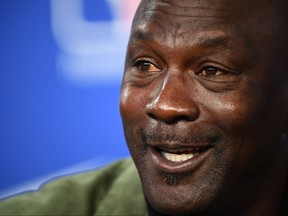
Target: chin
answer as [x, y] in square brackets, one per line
[174, 200]
[178, 194]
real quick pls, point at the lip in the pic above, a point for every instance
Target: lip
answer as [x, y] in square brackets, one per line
[187, 166]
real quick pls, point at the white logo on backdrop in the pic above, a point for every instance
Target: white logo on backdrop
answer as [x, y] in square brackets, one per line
[91, 52]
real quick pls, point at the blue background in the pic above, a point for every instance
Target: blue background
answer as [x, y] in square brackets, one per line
[47, 122]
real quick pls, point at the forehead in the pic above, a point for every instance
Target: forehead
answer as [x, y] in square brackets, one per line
[209, 8]
[191, 8]
[178, 21]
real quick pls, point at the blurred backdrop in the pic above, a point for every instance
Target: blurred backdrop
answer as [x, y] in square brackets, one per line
[61, 63]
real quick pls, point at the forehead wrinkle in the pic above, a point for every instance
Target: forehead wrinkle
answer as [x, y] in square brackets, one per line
[205, 39]
[192, 9]
[203, 14]
[191, 4]
[165, 30]
[152, 29]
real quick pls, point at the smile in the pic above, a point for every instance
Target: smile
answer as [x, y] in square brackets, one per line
[181, 159]
[175, 155]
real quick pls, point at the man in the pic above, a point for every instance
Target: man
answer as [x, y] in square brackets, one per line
[204, 103]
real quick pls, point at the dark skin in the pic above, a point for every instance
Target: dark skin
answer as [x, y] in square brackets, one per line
[207, 80]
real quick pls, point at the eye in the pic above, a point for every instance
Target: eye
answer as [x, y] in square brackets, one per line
[210, 71]
[146, 66]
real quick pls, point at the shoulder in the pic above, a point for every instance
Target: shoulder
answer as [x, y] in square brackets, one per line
[112, 190]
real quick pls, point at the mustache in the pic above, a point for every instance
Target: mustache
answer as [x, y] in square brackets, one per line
[154, 137]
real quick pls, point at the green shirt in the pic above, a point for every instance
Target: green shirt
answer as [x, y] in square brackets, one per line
[112, 190]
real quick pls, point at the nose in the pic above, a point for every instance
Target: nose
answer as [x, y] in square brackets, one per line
[173, 102]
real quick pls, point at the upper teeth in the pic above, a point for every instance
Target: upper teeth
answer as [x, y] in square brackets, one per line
[177, 157]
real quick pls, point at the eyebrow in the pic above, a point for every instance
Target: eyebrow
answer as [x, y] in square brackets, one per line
[207, 41]
[214, 41]
[140, 35]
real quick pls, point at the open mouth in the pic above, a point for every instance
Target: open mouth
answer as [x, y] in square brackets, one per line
[180, 159]
[178, 155]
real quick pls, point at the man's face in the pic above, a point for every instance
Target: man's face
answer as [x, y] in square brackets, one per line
[203, 104]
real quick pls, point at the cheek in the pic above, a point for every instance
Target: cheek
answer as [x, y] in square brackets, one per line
[249, 114]
[245, 121]
[232, 111]
[132, 109]
[132, 105]
[244, 124]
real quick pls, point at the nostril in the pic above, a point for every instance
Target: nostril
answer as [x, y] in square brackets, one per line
[151, 115]
[182, 118]
[171, 117]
